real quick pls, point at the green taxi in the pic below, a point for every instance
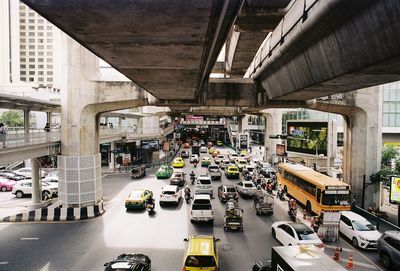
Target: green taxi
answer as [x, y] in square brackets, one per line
[205, 161]
[164, 172]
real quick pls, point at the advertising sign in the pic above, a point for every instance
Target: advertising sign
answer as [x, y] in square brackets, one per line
[307, 137]
[280, 149]
[243, 141]
[165, 146]
[394, 196]
[126, 159]
[149, 145]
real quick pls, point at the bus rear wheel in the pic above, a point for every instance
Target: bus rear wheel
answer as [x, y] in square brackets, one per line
[308, 207]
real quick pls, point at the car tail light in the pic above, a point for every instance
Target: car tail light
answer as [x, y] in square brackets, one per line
[320, 245]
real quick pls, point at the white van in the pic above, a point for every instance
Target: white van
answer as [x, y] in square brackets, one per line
[201, 209]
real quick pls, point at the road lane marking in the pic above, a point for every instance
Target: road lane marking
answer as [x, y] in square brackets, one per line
[3, 263]
[29, 238]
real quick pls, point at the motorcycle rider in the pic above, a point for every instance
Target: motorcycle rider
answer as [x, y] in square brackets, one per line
[150, 202]
[280, 194]
[292, 209]
[192, 177]
[187, 193]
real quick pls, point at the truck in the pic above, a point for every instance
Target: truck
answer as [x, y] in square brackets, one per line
[298, 258]
[196, 149]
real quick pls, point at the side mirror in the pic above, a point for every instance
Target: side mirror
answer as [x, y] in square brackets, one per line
[185, 240]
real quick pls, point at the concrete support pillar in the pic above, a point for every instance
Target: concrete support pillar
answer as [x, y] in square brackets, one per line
[273, 126]
[48, 116]
[26, 121]
[36, 182]
[112, 162]
[240, 123]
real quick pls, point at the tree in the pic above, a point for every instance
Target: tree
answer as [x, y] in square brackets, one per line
[12, 118]
[388, 154]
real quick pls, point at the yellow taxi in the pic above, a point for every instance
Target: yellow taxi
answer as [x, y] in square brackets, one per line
[244, 152]
[178, 162]
[215, 153]
[211, 150]
[201, 253]
[137, 199]
[232, 172]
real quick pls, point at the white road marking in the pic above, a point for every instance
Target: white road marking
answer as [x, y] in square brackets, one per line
[29, 238]
[3, 263]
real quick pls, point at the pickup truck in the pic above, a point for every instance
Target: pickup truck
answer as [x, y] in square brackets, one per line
[214, 172]
[201, 209]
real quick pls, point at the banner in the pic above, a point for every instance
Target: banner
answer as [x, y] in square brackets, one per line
[394, 196]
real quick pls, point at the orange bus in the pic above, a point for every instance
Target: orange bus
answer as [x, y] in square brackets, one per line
[316, 191]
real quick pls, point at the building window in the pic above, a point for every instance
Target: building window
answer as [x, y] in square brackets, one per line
[22, 21]
[50, 79]
[31, 66]
[23, 34]
[49, 66]
[40, 79]
[22, 27]
[49, 27]
[40, 21]
[41, 53]
[49, 60]
[23, 72]
[49, 53]
[40, 66]
[40, 72]
[40, 27]
[49, 40]
[31, 79]
[31, 53]
[32, 47]
[49, 47]
[23, 78]
[31, 27]
[49, 73]
[31, 21]
[23, 66]
[40, 34]
[31, 40]
[41, 47]
[40, 59]
[31, 72]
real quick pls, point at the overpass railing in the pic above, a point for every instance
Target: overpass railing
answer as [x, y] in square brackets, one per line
[18, 138]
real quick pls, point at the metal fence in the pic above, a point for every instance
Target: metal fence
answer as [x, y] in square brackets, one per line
[18, 138]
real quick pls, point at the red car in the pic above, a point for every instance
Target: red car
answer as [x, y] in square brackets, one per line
[6, 184]
[186, 145]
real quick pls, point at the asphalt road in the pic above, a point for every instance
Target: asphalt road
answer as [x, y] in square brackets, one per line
[89, 244]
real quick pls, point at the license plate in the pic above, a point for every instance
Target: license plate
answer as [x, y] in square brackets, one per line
[234, 228]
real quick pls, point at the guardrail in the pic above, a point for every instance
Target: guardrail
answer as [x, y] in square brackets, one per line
[20, 139]
[377, 220]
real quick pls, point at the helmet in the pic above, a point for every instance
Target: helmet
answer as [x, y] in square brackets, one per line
[291, 200]
[186, 187]
[258, 187]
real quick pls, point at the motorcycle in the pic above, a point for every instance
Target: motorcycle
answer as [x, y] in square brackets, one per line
[150, 208]
[192, 179]
[187, 196]
[195, 164]
[269, 188]
[280, 194]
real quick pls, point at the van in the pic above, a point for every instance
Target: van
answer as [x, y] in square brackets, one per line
[204, 185]
[201, 209]
[201, 253]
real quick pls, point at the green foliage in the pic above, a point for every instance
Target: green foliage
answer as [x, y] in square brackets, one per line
[12, 118]
[383, 176]
[389, 153]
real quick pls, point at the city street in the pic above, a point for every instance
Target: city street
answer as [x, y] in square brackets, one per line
[87, 245]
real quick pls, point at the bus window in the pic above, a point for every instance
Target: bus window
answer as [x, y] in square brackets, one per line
[318, 195]
[332, 198]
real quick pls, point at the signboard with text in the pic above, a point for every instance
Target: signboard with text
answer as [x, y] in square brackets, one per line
[280, 149]
[394, 196]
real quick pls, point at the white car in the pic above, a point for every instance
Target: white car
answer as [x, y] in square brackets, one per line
[293, 234]
[203, 149]
[240, 163]
[246, 188]
[359, 230]
[233, 157]
[204, 185]
[218, 159]
[170, 193]
[23, 188]
[194, 158]
[225, 163]
[27, 172]
[51, 179]
[201, 209]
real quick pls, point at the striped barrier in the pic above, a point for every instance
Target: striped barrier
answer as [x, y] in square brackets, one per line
[57, 214]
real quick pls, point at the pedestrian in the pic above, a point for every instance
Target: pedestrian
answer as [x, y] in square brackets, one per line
[47, 130]
[3, 134]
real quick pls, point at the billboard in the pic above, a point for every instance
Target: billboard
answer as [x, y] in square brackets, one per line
[150, 145]
[243, 141]
[280, 149]
[394, 195]
[308, 137]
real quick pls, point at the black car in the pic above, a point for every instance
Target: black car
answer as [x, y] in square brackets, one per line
[133, 262]
[184, 154]
[11, 175]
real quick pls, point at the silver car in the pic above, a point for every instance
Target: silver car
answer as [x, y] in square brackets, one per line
[389, 249]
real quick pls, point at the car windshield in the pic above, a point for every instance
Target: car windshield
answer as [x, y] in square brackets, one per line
[136, 195]
[230, 189]
[168, 192]
[250, 169]
[213, 169]
[363, 226]
[177, 175]
[200, 261]
[248, 185]
[307, 235]
[205, 181]
[201, 207]
[242, 162]
[336, 199]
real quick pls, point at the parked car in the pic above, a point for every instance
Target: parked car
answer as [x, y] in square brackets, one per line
[178, 162]
[178, 178]
[129, 262]
[205, 161]
[232, 157]
[203, 149]
[359, 230]
[214, 172]
[293, 234]
[164, 172]
[201, 209]
[11, 175]
[219, 158]
[27, 172]
[51, 179]
[227, 192]
[246, 188]
[6, 184]
[389, 249]
[137, 199]
[185, 154]
[170, 193]
[194, 158]
[203, 185]
[201, 253]
[232, 172]
[23, 188]
[240, 163]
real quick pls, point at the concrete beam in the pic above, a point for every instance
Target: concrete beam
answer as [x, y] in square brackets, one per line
[329, 47]
[10, 155]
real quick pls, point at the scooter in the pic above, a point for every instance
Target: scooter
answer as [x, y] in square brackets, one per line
[150, 208]
[195, 164]
[292, 213]
[187, 197]
[280, 194]
[192, 179]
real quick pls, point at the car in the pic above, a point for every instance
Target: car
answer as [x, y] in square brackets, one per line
[201, 253]
[359, 230]
[6, 184]
[210, 144]
[51, 178]
[201, 209]
[245, 157]
[23, 188]
[389, 249]
[205, 161]
[243, 152]
[248, 170]
[292, 234]
[203, 149]
[219, 143]
[170, 193]
[137, 199]
[154, 144]
[211, 150]
[262, 164]
[164, 172]
[11, 175]
[178, 178]
[225, 163]
[201, 142]
[27, 172]
[227, 192]
[219, 158]
[215, 153]
[186, 145]
[267, 172]
[232, 172]
[178, 162]
[133, 262]
[240, 163]
[185, 154]
[214, 172]
[232, 157]
[246, 188]
[203, 185]
[194, 158]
